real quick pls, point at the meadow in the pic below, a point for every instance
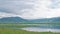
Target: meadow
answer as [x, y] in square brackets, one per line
[10, 29]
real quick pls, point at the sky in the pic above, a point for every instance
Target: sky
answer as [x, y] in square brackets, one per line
[30, 9]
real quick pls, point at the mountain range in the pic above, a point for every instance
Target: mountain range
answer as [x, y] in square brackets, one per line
[21, 20]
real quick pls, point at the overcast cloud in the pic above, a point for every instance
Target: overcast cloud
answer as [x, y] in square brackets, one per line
[30, 9]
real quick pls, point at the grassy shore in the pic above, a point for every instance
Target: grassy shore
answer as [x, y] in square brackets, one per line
[13, 31]
[6, 30]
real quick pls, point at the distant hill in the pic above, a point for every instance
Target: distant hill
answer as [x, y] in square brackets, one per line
[46, 20]
[12, 20]
[21, 20]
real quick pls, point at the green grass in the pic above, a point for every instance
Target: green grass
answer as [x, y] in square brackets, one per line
[13, 31]
[7, 30]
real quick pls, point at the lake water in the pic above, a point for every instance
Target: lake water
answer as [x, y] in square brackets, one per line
[43, 28]
[37, 27]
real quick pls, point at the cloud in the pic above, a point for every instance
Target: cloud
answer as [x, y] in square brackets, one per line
[2, 15]
[30, 9]
[12, 6]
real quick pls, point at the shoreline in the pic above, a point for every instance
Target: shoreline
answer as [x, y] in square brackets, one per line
[40, 29]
